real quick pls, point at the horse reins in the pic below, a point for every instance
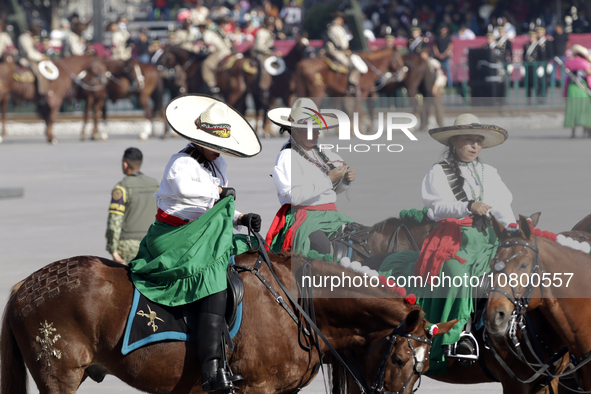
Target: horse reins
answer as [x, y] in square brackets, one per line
[517, 321]
[78, 78]
[377, 386]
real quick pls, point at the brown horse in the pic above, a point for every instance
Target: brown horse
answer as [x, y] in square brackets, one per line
[315, 78]
[65, 323]
[237, 75]
[419, 79]
[488, 369]
[19, 84]
[190, 65]
[563, 275]
[126, 79]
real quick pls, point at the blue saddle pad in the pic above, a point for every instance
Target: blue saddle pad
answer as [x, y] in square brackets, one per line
[149, 322]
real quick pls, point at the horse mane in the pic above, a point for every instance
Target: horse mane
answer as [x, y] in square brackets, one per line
[392, 221]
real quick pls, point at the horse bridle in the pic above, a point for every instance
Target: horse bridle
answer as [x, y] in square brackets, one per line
[517, 320]
[378, 385]
[418, 366]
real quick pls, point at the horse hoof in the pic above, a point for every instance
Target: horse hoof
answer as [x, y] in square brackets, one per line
[104, 137]
[143, 136]
[1, 139]
[53, 141]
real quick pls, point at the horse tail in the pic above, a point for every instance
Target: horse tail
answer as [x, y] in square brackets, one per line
[13, 375]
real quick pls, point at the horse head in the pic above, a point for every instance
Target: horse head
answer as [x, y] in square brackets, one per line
[514, 269]
[396, 361]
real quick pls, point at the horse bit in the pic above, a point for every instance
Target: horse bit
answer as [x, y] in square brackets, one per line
[418, 366]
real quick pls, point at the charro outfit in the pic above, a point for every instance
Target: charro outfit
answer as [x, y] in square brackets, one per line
[119, 48]
[5, 43]
[307, 197]
[131, 212]
[219, 46]
[534, 53]
[578, 101]
[460, 244]
[264, 44]
[26, 43]
[185, 39]
[337, 44]
[185, 254]
[73, 44]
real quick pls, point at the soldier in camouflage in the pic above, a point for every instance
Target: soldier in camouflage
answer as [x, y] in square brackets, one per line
[132, 209]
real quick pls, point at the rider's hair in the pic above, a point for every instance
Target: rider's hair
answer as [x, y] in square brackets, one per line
[452, 159]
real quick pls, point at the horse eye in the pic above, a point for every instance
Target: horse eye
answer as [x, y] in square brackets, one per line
[397, 360]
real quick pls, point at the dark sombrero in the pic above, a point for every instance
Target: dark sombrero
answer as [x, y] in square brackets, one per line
[468, 124]
[212, 124]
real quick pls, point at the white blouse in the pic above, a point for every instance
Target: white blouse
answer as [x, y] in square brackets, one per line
[301, 183]
[438, 196]
[188, 189]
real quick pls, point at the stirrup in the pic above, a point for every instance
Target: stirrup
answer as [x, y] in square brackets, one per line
[219, 382]
[451, 350]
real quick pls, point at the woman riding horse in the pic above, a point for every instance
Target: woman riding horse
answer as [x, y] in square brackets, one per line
[308, 180]
[461, 193]
[184, 257]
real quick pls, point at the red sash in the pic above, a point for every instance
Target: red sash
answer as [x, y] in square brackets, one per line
[301, 215]
[441, 245]
[170, 219]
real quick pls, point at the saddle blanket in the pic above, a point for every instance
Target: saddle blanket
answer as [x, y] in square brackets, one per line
[149, 322]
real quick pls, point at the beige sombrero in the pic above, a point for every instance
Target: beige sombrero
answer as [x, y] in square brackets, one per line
[468, 124]
[301, 112]
[578, 49]
[211, 123]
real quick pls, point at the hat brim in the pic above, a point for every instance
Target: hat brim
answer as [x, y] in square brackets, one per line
[183, 111]
[280, 116]
[493, 135]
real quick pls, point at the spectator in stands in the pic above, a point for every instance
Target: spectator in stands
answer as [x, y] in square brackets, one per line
[142, 46]
[465, 34]
[291, 15]
[160, 11]
[443, 51]
[561, 43]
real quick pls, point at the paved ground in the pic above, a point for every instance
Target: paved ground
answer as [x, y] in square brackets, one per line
[66, 193]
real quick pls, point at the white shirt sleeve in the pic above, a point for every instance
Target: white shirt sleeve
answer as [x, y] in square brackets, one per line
[437, 195]
[282, 176]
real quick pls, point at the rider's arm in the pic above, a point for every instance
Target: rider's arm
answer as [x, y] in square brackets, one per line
[438, 196]
[498, 196]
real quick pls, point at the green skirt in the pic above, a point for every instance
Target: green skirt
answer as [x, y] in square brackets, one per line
[450, 302]
[578, 107]
[326, 221]
[180, 265]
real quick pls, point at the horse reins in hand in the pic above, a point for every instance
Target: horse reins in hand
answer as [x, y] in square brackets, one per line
[517, 321]
[377, 387]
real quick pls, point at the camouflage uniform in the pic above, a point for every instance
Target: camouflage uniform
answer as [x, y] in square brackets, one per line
[131, 213]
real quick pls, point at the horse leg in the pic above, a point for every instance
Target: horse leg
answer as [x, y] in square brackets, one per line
[49, 121]
[145, 103]
[98, 105]
[4, 107]
[87, 106]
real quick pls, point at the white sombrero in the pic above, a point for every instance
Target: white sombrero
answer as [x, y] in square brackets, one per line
[301, 112]
[578, 49]
[468, 124]
[48, 70]
[212, 124]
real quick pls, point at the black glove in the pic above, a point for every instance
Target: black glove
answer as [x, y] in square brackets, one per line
[227, 191]
[253, 220]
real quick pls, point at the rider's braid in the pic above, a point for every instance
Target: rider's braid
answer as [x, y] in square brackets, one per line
[452, 159]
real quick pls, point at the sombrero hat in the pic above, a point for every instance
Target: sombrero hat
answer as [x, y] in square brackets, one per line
[212, 124]
[578, 49]
[301, 112]
[468, 124]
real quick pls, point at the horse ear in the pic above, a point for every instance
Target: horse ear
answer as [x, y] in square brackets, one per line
[444, 328]
[412, 319]
[498, 228]
[525, 227]
[535, 218]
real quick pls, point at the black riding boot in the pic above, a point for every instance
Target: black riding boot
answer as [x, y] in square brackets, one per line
[209, 350]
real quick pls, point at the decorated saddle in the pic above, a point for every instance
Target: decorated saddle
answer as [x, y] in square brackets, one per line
[149, 322]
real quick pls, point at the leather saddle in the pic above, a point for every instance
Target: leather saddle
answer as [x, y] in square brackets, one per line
[235, 293]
